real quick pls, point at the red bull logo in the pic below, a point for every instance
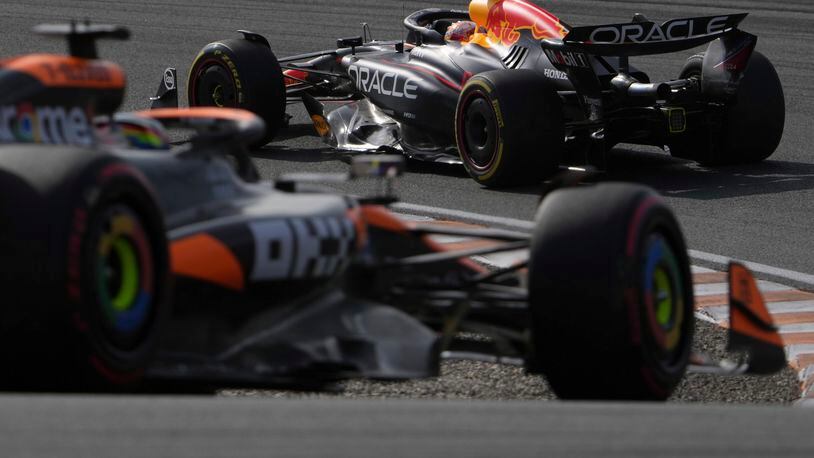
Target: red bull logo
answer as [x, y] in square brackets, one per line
[505, 19]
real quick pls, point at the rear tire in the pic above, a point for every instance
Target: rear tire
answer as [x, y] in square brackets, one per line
[509, 128]
[124, 275]
[239, 73]
[610, 294]
[751, 126]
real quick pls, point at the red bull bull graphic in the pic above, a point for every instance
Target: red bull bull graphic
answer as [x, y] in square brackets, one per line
[505, 19]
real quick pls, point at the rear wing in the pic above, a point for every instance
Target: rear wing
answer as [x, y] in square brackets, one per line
[82, 36]
[581, 53]
[642, 37]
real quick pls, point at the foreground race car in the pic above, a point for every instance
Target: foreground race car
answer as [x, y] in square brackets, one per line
[126, 260]
[511, 91]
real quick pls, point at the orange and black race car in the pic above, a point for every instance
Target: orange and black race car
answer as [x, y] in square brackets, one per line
[126, 259]
[511, 91]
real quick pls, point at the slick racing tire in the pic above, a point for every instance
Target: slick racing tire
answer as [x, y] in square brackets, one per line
[88, 293]
[509, 128]
[751, 126]
[610, 294]
[239, 73]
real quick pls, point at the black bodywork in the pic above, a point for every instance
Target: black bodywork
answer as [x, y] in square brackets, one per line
[405, 92]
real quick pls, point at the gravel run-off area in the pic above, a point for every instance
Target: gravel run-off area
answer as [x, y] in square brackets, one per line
[486, 381]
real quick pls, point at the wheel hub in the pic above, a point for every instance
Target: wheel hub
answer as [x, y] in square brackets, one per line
[217, 96]
[124, 278]
[214, 86]
[663, 298]
[480, 133]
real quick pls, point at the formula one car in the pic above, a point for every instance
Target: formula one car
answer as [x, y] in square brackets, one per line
[511, 91]
[125, 259]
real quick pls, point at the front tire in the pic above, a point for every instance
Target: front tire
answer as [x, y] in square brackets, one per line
[509, 128]
[239, 73]
[610, 294]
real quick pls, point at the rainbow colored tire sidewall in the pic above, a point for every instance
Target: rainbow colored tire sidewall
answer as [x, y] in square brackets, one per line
[124, 275]
[663, 298]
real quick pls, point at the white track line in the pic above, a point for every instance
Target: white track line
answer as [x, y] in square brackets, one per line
[792, 328]
[777, 272]
[791, 307]
[716, 260]
[708, 289]
[702, 270]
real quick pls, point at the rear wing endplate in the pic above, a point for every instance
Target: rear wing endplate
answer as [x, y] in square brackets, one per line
[751, 331]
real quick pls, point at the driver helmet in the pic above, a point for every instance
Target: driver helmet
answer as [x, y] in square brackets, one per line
[139, 132]
[460, 31]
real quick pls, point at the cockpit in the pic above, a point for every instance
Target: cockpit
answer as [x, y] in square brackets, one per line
[486, 22]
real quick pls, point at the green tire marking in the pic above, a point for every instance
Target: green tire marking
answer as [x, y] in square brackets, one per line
[130, 275]
[664, 296]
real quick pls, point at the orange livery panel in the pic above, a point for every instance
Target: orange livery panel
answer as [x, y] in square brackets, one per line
[65, 71]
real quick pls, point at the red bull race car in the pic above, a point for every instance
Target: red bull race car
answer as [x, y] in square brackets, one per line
[127, 260]
[511, 91]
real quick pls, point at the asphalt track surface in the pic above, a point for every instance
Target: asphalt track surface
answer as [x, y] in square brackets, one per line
[48, 426]
[762, 213]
